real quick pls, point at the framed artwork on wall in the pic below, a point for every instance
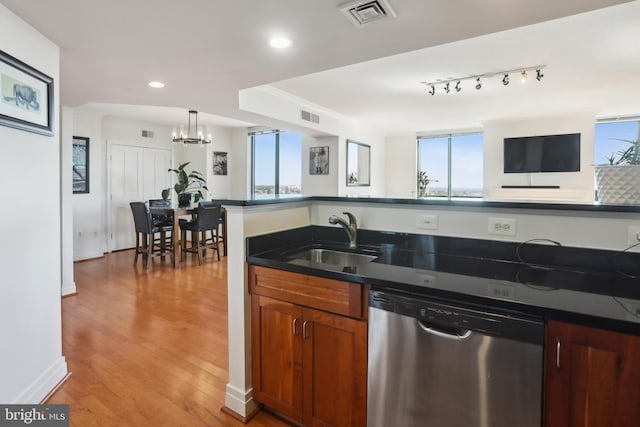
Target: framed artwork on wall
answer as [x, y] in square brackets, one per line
[219, 162]
[80, 165]
[319, 160]
[26, 97]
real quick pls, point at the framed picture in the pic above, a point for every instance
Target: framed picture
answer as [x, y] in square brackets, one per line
[26, 96]
[319, 160]
[80, 164]
[219, 163]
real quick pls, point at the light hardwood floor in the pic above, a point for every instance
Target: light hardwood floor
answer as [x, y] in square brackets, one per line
[147, 348]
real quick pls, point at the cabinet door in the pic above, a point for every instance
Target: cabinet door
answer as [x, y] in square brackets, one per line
[334, 370]
[276, 348]
[592, 377]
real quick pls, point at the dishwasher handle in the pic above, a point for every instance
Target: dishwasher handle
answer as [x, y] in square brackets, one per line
[433, 330]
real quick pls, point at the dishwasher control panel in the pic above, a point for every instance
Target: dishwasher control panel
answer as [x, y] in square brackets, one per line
[456, 317]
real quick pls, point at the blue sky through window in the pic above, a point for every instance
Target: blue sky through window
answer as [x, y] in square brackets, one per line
[605, 142]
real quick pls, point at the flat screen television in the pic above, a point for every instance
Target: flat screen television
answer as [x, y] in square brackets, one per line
[547, 153]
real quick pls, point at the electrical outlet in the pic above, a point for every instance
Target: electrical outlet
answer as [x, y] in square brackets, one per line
[633, 234]
[427, 222]
[502, 226]
[426, 279]
[501, 291]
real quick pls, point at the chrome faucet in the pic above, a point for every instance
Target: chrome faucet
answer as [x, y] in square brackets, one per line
[351, 228]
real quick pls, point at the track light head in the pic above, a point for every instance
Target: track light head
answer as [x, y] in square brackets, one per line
[458, 88]
[505, 79]
[523, 76]
[478, 84]
[446, 88]
[539, 75]
[433, 90]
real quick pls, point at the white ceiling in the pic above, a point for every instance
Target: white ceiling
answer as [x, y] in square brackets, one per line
[208, 50]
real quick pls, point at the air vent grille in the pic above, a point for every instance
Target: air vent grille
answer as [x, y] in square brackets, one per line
[147, 134]
[310, 117]
[364, 12]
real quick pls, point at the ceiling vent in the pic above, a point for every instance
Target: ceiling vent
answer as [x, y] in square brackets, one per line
[147, 134]
[364, 12]
[309, 117]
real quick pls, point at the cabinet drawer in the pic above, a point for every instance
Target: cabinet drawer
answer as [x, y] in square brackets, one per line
[330, 295]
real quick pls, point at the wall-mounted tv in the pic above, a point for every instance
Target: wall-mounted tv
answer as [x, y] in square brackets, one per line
[547, 153]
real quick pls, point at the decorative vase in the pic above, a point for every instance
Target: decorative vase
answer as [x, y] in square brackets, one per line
[618, 185]
[184, 199]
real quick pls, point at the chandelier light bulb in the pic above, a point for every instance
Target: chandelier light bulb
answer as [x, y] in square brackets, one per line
[478, 84]
[523, 76]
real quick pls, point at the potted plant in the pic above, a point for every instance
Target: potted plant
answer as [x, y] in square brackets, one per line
[423, 182]
[618, 182]
[187, 184]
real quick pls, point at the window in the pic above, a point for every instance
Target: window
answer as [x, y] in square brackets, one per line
[450, 166]
[277, 164]
[609, 138]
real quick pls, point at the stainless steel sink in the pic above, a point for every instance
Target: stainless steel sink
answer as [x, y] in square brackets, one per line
[318, 256]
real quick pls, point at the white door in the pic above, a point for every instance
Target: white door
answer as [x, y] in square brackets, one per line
[135, 174]
[126, 179]
[156, 176]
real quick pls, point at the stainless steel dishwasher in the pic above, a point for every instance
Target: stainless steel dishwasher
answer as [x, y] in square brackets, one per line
[432, 363]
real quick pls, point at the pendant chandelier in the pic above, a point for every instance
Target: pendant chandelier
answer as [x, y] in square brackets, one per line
[193, 135]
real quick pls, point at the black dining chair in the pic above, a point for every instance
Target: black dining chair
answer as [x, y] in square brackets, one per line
[204, 231]
[161, 219]
[146, 243]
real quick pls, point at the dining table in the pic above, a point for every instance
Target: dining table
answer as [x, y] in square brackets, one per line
[191, 210]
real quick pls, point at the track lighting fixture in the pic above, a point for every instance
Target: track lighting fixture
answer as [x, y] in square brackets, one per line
[445, 84]
[523, 76]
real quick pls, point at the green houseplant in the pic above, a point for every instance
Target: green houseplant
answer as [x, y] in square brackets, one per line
[187, 184]
[618, 182]
[423, 182]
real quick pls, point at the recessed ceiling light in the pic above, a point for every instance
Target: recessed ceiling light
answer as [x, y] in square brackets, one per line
[156, 85]
[280, 42]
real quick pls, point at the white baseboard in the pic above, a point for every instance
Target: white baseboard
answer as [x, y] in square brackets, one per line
[68, 288]
[88, 255]
[239, 401]
[44, 384]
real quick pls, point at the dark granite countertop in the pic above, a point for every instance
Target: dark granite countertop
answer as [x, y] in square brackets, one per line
[588, 286]
[457, 203]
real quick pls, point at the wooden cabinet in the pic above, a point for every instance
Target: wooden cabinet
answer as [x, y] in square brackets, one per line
[592, 377]
[308, 365]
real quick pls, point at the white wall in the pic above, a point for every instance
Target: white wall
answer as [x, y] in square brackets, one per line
[31, 361]
[574, 186]
[402, 166]
[89, 228]
[320, 185]
[66, 196]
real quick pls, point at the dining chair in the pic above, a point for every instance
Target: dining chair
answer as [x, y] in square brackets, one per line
[204, 231]
[161, 219]
[222, 236]
[146, 242]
